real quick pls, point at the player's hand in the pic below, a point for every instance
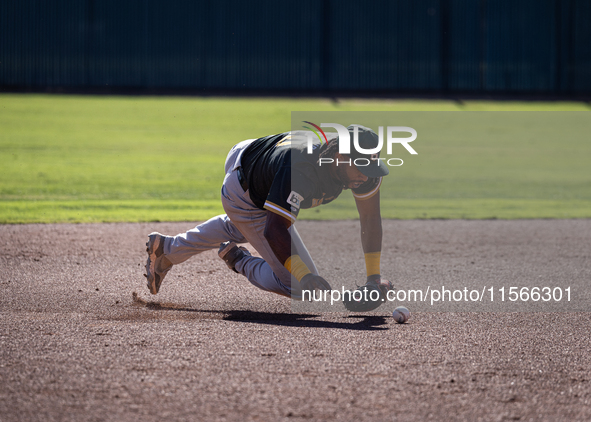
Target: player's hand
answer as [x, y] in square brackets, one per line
[384, 285]
[374, 278]
[370, 296]
[311, 282]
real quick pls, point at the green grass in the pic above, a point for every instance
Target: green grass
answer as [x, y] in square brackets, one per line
[92, 159]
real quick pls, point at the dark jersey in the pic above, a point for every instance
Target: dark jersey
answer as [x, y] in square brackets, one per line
[283, 178]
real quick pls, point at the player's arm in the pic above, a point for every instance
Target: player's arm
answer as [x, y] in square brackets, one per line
[371, 232]
[368, 205]
[277, 234]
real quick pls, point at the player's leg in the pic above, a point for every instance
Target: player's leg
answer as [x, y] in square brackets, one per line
[205, 236]
[267, 272]
[166, 251]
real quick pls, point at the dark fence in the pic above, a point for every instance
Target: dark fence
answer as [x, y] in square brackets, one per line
[480, 46]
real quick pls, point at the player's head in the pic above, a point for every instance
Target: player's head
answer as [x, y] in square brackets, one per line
[348, 175]
[368, 164]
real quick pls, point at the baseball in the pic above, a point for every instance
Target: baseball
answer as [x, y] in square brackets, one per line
[401, 314]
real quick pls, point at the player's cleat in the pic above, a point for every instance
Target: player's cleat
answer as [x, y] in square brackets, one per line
[231, 253]
[157, 264]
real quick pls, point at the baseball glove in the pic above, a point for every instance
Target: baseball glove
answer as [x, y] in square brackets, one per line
[369, 296]
[309, 282]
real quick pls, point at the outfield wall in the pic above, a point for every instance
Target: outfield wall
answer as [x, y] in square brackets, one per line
[447, 46]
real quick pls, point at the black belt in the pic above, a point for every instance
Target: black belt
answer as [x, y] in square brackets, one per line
[242, 179]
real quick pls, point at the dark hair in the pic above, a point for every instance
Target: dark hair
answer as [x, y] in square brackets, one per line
[330, 150]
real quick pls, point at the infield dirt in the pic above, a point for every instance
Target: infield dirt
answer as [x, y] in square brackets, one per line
[76, 343]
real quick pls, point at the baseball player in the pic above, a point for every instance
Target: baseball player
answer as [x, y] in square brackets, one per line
[268, 180]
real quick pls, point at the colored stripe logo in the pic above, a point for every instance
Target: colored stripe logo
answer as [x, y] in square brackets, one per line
[317, 128]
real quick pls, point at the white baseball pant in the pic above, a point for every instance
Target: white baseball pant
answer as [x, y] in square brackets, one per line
[243, 222]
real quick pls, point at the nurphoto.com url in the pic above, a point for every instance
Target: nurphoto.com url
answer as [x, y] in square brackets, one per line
[434, 296]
